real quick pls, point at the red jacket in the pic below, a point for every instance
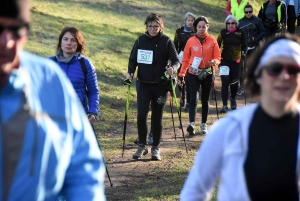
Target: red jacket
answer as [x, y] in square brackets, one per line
[208, 51]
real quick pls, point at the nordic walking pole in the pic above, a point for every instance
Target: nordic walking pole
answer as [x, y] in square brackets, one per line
[126, 82]
[214, 90]
[176, 104]
[111, 184]
[171, 106]
[244, 71]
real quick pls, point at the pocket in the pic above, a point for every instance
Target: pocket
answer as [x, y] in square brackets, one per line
[269, 22]
[202, 74]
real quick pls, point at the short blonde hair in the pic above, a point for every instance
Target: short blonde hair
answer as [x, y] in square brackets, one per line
[189, 14]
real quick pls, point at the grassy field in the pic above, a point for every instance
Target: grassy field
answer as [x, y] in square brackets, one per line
[110, 28]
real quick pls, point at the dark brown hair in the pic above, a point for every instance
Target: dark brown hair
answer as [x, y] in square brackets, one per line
[252, 63]
[76, 34]
[156, 18]
[201, 18]
[248, 6]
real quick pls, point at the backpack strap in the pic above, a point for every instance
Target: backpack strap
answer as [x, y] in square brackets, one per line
[82, 65]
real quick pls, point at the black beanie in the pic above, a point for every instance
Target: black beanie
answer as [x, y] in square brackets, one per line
[16, 9]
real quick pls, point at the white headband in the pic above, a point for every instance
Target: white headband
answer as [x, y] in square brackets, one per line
[281, 47]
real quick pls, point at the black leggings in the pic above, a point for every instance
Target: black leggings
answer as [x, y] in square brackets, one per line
[194, 84]
[157, 95]
[291, 19]
[230, 80]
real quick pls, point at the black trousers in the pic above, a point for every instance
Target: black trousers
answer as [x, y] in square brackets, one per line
[230, 80]
[157, 95]
[195, 84]
[291, 19]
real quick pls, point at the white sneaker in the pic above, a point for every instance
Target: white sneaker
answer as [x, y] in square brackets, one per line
[203, 128]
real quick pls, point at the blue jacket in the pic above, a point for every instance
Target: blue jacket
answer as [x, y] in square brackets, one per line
[75, 74]
[47, 144]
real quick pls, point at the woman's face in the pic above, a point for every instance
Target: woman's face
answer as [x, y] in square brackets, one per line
[283, 86]
[202, 28]
[189, 21]
[153, 28]
[69, 44]
[230, 24]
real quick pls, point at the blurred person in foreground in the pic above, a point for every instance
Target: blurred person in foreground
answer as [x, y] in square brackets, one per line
[254, 151]
[151, 53]
[47, 144]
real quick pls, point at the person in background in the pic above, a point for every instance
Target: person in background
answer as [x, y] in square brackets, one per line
[69, 56]
[47, 144]
[272, 15]
[293, 10]
[254, 31]
[201, 55]
[233, 44]
[250, 150]
[236, 8]
[151, 52]
[181, 37]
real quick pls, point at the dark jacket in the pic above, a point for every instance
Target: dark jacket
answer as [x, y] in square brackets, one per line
[232, 44]
[254, 30]
[181, 37]
[280, 14]
[163, 50]
[74, 72]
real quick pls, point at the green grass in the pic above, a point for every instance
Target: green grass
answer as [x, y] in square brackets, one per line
[110, 28]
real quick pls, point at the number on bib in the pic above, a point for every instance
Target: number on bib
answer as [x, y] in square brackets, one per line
[145, 56]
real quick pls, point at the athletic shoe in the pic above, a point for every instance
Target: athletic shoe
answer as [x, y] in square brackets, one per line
[136, 141]
[240, 91]
[150, 138]
[191, 129]
[203, 128]
[224, 109]
[155, 154]
[141, 151]
[187, 107]
[232, 103]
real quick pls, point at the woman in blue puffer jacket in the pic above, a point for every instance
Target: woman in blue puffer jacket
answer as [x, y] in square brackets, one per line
[81, 72]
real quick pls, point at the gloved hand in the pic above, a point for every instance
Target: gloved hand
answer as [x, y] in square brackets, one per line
[181, 81]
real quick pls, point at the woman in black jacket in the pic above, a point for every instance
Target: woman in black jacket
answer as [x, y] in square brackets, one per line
[181, 37]
[233, 44]
[272, 15]
[151, 53]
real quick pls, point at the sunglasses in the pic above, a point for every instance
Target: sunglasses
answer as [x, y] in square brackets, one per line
[248, 12]
[276, 68]
[228, 23]
[16, 30]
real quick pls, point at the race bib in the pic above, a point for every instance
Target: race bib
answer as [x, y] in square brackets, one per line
[196, 62]
[145, 56]
[224, 70]
[180, 55]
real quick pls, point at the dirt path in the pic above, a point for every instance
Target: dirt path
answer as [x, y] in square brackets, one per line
[132, 178]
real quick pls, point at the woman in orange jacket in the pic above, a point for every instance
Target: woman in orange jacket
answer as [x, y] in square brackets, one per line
[201, 54]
